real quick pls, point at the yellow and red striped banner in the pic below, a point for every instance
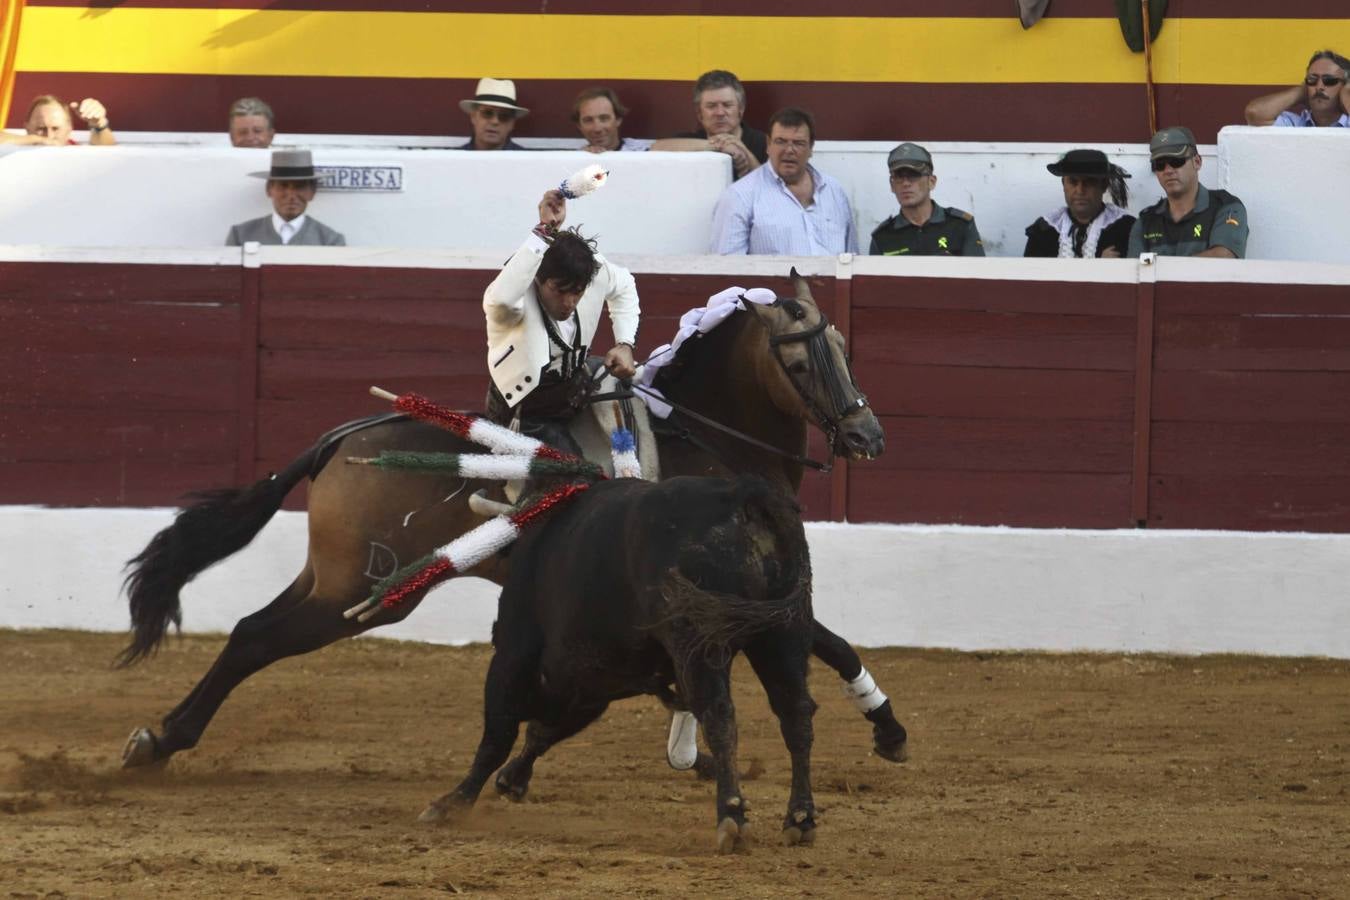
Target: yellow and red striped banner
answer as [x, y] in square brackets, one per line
[365, 44]
[11, 15]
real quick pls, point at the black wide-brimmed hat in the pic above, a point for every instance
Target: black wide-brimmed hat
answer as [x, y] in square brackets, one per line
[289, 165]
[1090, 163]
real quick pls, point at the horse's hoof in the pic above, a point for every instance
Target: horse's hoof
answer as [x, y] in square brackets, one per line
[141, 749]
[897, 752]
[733, 837]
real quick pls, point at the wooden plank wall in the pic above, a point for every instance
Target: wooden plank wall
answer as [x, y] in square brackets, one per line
[1008, 403]
[1004, 404]
[1251, 408]
[119, 385]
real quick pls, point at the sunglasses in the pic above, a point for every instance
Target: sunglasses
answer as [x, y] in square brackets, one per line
[1327, 80]
[1170, 162]
[494, 112]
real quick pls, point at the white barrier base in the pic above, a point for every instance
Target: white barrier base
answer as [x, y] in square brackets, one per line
[878, 585]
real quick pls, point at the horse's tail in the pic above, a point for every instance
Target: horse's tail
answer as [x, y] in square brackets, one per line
[220, 523]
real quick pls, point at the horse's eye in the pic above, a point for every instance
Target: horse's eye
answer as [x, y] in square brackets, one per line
[797, 368]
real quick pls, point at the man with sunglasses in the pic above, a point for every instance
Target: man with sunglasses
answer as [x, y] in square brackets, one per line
[1324, 94]
[1190, 220]
[492, 115]
[922, 228]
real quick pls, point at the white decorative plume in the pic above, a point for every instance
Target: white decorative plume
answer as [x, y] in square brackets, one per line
[579, 184]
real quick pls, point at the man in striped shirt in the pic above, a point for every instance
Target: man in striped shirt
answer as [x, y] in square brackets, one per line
[788, 207]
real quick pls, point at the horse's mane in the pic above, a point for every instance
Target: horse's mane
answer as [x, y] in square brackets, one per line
[693, 353]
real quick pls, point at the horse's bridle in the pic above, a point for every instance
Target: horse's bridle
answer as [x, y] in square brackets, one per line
[818, 352]
[822, 360]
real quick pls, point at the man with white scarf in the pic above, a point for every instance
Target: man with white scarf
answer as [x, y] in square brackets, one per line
[1086, 227]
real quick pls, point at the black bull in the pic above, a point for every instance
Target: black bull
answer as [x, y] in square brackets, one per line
[640, 588]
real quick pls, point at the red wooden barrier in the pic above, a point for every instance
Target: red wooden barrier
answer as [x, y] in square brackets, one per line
[1004, 402]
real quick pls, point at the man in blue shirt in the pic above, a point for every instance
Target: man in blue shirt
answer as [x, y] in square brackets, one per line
[1324, 96]
[788, 207]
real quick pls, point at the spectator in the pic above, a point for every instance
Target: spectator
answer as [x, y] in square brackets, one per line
[1086, 226]
[49, 123]
[922, 228]
[1191, 220]
[719, 105]
[290, 186]
[598, 115]
[787, 207]
[1324, 94]
[251, 123]
[492, 115]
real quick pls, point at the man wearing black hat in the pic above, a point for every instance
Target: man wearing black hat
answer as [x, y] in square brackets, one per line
[922, 228]
[291, 184]
[1086, 226]
[1191, 220]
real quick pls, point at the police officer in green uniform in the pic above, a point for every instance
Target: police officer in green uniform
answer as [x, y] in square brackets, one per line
[1191, 220]
[922, 228]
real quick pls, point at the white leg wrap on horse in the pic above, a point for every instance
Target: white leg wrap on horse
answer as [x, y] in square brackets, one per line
[682, 748]
[864, 693]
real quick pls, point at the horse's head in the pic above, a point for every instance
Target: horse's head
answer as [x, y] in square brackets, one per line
[807, 373]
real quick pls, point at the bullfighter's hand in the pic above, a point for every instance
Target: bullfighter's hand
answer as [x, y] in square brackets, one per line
[553, 208]
[92, 112]
[619, 362]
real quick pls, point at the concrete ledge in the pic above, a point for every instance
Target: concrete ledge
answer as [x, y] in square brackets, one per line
[878, 585]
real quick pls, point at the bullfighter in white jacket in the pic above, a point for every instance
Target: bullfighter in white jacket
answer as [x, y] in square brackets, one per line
[542, 311]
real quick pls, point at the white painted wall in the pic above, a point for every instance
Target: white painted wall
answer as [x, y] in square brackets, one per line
[878, 585]
[137, 196]
[186, 190]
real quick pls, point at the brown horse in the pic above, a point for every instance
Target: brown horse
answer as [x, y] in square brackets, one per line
[766, 373]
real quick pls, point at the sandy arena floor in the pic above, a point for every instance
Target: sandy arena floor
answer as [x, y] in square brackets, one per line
[1031, 776]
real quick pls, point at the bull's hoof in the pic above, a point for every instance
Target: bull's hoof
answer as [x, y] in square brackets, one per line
[510, 787]
[799, 829]
[895, 751]
[141, 749]
[733, 837]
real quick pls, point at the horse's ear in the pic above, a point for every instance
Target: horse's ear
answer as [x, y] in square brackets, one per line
[801, 287]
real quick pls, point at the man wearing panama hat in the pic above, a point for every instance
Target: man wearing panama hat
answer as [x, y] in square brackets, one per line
[1086, 226]
[492, 113]
[291, 183]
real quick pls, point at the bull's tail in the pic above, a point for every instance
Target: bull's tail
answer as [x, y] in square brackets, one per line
[777, 578]
[219, 524]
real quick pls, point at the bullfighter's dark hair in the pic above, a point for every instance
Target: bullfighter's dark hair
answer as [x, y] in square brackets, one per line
[570, 259]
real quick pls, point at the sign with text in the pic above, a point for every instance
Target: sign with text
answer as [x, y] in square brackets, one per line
[360, 178]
